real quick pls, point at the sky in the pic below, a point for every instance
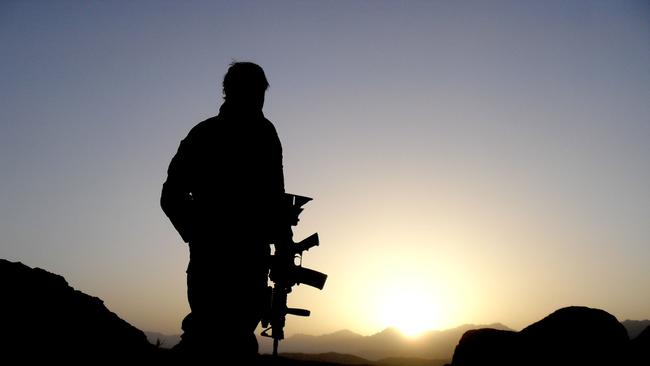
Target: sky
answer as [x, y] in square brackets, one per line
[470, 161]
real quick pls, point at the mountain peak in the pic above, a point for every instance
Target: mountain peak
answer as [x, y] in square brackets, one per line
[345, 333]
[389, 332]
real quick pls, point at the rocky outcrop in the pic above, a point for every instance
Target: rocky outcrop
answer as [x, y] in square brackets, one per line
[485, 347]
[569, 336]
[576, 336]
[44, 319]
[640, 349]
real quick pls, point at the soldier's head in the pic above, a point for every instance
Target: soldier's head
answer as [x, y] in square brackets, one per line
[245, 84]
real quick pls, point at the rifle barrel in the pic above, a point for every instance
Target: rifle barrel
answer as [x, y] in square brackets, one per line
[298, 312]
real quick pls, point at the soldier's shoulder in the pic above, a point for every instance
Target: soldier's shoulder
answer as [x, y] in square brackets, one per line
[269, 125]
[202, 128]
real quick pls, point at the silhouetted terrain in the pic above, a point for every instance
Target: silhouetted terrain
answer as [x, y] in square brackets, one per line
[387, 343]
[166, 340]
[635, 327]
[45, 321]
[43, 318]
[344, 359]
[640, 348]
[332, 357]
[569, 336]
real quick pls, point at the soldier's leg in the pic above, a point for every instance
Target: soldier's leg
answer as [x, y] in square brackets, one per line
[226, 303]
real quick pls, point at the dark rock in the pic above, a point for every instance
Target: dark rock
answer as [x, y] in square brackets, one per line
[640, 348]
[569, 336]
[486, 347]
[43, 318]
[576, 335]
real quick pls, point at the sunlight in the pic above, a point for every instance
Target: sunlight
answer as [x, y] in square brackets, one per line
[409, 308]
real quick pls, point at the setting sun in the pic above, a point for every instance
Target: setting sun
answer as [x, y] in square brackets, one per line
[409, 309]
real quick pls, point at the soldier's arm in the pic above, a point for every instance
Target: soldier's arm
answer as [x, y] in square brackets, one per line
[282, 209]
[176, 198]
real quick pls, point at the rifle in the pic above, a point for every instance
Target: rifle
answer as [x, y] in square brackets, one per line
[285, 273]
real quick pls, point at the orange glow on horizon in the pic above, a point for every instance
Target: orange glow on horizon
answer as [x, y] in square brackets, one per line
[405, 306]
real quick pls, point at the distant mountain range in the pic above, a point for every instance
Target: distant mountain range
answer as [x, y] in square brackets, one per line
[343, 359]
[163, 340]
[389, 343]
[386, 344]
[635, 327]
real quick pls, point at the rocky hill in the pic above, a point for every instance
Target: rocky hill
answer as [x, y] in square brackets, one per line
[43, 318]
[569, 336]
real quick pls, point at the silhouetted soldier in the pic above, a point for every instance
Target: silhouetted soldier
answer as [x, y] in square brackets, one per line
[224, 195]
